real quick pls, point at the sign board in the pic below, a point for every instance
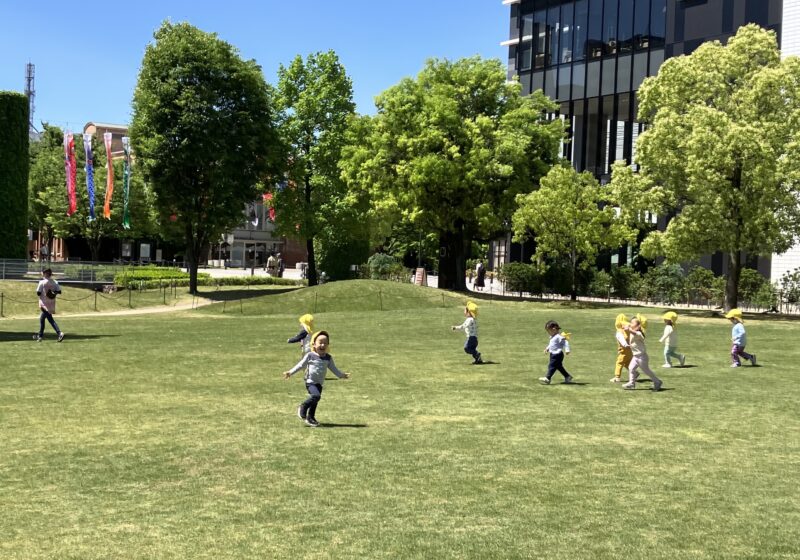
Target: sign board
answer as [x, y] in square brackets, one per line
[144, 251]
[420, 277]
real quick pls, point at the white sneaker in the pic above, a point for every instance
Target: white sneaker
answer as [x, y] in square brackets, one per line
[629, 386]
[615, 380]
[667, 365]
[734, 365]
[683, 360]
[544, 381]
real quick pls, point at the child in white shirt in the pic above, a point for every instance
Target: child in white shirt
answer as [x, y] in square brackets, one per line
[470, 328]
[670, 340]
[558, 347]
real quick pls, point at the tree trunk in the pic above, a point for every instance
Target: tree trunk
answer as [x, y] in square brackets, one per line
[191, 265]
[94, 248]
[452, 260]
[732, 280]
[311, 272]
[573, 293]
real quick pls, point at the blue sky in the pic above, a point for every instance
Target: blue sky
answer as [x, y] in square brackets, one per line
[87, 54]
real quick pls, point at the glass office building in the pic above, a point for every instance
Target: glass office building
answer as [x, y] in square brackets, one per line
[592, 55]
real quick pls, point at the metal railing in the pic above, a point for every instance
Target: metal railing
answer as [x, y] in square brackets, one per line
[69, 271]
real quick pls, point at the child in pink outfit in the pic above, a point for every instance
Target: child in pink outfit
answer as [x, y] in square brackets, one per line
[640, 358]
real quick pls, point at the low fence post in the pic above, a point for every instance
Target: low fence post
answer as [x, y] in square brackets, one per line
[380, 298]
[129, 298]
[443, 306]
[95, 300]
[2, 300]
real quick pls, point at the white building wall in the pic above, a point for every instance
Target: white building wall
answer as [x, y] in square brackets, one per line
[790, 46]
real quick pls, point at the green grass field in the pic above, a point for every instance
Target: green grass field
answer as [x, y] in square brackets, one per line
[174, 436]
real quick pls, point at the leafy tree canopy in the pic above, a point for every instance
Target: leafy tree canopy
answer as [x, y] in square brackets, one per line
[721, 154]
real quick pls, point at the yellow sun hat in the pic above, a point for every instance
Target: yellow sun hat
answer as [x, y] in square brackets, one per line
[734, 313]
[642, 321]
[621, 321]
[307, 321]
[472, 309]
[670, 316]
[316, 335]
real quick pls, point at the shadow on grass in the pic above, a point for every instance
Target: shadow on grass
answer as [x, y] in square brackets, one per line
[17, 336]
[235, 295]
[332, 425]
[487, 363]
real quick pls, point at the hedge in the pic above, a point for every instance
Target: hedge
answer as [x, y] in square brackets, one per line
[14, 169]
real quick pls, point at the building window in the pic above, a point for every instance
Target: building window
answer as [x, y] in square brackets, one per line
[567, 32]
[610, 40]
[658, 23]
[595, 42]
[641, 24]
[580, 29]
[553, 27]
[625, 35]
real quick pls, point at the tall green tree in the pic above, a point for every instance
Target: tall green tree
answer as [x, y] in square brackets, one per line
[449, 150]
[721, 155]
[567, 221]
[49, 203]
[202, 132]
[315, 97]
[14, 169]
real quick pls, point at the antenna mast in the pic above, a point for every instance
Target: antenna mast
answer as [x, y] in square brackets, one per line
[30, 93]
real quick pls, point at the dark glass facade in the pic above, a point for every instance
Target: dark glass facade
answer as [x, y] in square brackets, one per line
[592, 55]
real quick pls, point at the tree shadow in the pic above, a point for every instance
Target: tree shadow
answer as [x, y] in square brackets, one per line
[48, 337]
[235, 295]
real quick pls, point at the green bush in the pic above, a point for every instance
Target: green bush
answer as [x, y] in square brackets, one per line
[207, 280]
[385, 267]
[750, 283]
[14, 170]
[790, 286]
[521, 277]
[700, 285]
[601, 284]
[623, 281]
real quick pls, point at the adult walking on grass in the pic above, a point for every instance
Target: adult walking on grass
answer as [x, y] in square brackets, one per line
[47, 290]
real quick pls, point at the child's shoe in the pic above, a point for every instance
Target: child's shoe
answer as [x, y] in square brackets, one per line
[60, 336]
[477, 359]
[37, 338]
[568, 380]
[301, 414]
[544, 380]
[629, 386]
[683, 360]
[312, 422]
[753, 359]
[735, 365]
[667, 365]
[657, 385]
[615, 380]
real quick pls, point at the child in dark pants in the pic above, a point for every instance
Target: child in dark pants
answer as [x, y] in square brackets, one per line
[317, 362]
[470, 328]
[557, 348]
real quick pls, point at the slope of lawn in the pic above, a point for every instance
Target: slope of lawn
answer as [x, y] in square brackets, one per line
[174, 436]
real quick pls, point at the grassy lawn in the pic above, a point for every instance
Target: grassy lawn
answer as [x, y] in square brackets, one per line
[174, 436]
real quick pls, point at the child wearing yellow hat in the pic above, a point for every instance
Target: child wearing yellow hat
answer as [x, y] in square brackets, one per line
[470, 328]
[738, 339]
[636, 329]
[670, 340]
[624, 354]
[304, 336]
[317, 362]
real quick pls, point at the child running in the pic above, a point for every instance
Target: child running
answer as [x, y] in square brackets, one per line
[318, 361]
[738, 339]
[47, 290]
[557, 348]
[670, 340]
[470, 328]
[636, 330]
[304, 336]
[624, 354]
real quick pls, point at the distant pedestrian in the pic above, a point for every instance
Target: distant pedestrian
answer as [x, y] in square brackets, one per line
[558, 347]
[470, 328]
[47, 290]
[272, 265]
[738, 339]
[317, 362]
[279, 265]
[480, 277]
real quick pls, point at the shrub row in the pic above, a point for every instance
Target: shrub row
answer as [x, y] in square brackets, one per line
[206, 280]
